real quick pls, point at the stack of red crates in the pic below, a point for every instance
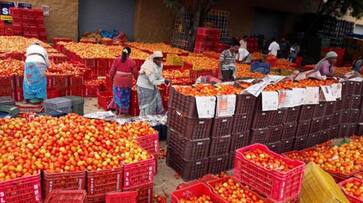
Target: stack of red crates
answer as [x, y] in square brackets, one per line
[206, 40]
[29, 23]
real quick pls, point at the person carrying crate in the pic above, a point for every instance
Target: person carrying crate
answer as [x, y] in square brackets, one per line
[35, 80]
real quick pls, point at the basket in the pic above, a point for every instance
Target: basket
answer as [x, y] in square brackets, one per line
[356, 102]
[220, 145]
[300, 142]
[104, 99]
[275, 133]
[188, 149]
[277, 117]
[347, 102]
[150, 143]
[191, 128]
[58, 104]
[69, 196]
[344, 116]
[275, 146]
[354, 115]
[222, 126]
[292, 114]
[316, 125]
[213, 183]
[319, 110]
[241, 122]
[144, 193]
[185, 105]
[260, 135]
[277, 186]
[239, 140]
[24, 189]
[261, 119]
[351, 198]
[306, 112]
[188, 170]
[195, 190]
[63, 181]
[139, 173]
[287, 145]
[330, 108]
[289, 130]
[102, 181]
[336, 118]
[334, 132]
[327, 122]
[245, 104]
[121, 197]
[218, 163]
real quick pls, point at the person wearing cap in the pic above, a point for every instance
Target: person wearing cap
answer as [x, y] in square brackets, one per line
[150, 76]
[35, 81]
[122, 73]
[326, 65]
[227, 61]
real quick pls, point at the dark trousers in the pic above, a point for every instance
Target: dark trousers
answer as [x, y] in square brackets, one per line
[227, 75]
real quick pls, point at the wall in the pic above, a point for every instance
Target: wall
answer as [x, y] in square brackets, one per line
[106, 15]
[63, 18]
[153, 21]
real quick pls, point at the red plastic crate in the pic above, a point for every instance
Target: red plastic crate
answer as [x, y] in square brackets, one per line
[64, 180]
[104, 99]
[144, 193]
[104, 62]
[195, 190]
[278, 186]
[351, 198]
[76, 80]
[52, 93]
[150, 143]
[213, 183]
[103, 181]
[18, 94]
[121, 197]
[19, 190]
[138, 173]
[203, 179]
[67, 196]
[90, 90]
[89, 62]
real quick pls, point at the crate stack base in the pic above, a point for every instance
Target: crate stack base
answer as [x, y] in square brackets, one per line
[66, 181]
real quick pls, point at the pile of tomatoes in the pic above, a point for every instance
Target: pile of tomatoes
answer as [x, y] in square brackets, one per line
[266, 160]
[201, 62]
[243, 71]
[344, 159]
[300, 84]
[232, 191]
[65, 68]
[69, 143]
[89, 50]
[151, 47]
[200, 199]
[208, 90]
[10, 67]
[354, 187]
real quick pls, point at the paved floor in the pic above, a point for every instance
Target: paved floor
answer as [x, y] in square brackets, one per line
[166, 179]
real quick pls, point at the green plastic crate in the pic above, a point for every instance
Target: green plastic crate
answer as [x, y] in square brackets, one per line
[77, 104]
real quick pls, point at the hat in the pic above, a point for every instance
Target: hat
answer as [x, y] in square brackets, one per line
[157, 54]
[331, 54]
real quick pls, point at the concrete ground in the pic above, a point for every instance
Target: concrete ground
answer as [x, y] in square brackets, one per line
[166, 181]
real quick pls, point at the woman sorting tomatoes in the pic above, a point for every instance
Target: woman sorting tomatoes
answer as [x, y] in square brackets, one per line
[35, 81]
[150, 76]
[122, 72]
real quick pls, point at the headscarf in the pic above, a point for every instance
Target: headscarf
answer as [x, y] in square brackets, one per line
[329, 55]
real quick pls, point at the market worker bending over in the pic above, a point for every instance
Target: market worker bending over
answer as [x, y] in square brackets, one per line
[326, 65]
[357, 68]
[150, 76]
[122, 72]
[35, 81]
[227, 61]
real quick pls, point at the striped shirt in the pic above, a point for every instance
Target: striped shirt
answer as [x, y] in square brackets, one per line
[228, 60]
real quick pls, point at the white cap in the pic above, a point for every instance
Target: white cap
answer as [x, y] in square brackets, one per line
[157, 54]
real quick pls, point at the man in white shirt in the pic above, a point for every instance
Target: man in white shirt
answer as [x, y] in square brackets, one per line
[274, 47]
[242, 54]
[243, 42]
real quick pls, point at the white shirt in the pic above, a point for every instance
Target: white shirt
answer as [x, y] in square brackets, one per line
[273, 48]
[242, 53]
[243, 44]
[36, 54]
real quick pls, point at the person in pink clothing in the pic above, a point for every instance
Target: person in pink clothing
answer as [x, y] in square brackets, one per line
[326, 65]
[122, 73]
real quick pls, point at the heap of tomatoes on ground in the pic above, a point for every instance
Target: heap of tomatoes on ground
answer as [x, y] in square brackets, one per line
[69, 143]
